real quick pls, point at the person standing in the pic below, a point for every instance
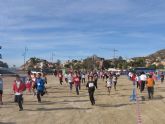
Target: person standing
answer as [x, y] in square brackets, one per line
[91, 89]
[18, 88]
[143, 79]
[77, 83]
[40, 87]
[1, 90]
[150, 86]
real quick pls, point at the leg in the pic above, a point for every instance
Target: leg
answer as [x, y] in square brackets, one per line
[152, 92]
[79, 86]
[96, 83]
[70, 85]
[77, 89]
[19, 101]
[1, 103]
[137, 83]
[149, 92]
[38, 96]
[109, 90]
[90, 96]
[115, 85]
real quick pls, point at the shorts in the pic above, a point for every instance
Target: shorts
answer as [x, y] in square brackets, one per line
[1, 92]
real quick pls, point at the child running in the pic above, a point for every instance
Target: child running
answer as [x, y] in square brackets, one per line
[76, 80]
[18, 88]
[109, 84]
[114, 79]
[91, 89]
[60, 76]
[28, 84]
[40, 87]
[34, 83]
[150, 86]
[70, 80]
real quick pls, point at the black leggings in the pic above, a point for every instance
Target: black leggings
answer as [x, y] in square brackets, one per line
[142, 86]
[150, 92]
[91, 95]
[19, 100]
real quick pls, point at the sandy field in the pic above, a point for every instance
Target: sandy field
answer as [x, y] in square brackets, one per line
[60, 106]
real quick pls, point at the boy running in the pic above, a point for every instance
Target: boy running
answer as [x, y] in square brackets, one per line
[91, 89]
[40, 87]
[18, 88]
[150, 86]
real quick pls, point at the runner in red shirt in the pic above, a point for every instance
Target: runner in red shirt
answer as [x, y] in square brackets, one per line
[76, 81]
[60, 76]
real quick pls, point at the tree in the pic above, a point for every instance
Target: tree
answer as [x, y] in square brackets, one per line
[160, 66]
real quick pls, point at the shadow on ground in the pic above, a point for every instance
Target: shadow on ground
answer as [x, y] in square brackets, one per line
[55, 109]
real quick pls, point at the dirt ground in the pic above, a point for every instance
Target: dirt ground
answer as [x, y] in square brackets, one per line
[60, 106]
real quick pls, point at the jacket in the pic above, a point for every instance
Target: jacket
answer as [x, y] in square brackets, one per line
[19, 89]
[40, 84]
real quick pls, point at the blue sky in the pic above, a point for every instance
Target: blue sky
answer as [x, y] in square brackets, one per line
[74, 29]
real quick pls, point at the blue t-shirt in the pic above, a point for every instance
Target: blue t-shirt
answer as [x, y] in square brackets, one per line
[40, 84]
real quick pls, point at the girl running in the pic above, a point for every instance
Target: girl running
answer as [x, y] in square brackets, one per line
[77, 83]
[109, 84]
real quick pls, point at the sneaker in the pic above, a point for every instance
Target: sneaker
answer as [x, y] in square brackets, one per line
[21, 109]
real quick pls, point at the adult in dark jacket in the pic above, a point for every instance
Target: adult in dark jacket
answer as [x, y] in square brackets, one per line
[91, 89]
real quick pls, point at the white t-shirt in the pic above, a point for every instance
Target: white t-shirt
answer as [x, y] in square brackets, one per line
[143, 77]
[70, 78]
[18, 85]
[83, 76]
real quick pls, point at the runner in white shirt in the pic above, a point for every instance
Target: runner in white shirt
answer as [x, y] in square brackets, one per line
[143, 79]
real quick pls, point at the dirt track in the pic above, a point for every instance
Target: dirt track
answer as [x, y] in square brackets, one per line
[62, 107]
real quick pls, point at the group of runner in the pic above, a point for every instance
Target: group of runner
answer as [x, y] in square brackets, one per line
[78, 78]
[143, 80]
[35, 83]
[32, 84]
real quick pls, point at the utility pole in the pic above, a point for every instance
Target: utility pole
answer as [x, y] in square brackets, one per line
[114, 53]
[24, 55]
[52, 56]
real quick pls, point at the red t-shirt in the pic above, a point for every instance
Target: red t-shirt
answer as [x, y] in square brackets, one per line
[76, 80]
